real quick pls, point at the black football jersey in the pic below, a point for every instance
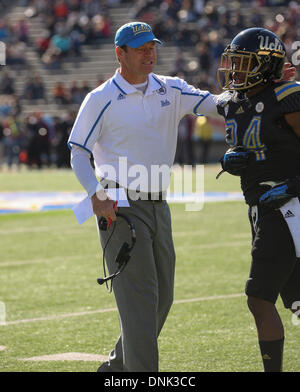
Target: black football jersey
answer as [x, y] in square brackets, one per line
[258, 124]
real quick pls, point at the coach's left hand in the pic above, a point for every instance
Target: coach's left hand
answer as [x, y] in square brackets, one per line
[288, 73]
[104, 207]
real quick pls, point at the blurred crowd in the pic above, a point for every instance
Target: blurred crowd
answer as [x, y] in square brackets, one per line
[206, 27]
[69, 24]
[36, 140]
[199, 27]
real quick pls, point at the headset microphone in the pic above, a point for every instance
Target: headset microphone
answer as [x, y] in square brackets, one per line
[103, 280]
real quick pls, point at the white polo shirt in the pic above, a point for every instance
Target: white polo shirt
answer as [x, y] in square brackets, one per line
[130, 133]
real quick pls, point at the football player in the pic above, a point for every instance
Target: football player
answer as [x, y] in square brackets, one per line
[263, 131]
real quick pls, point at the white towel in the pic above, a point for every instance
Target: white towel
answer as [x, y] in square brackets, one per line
[291, 213]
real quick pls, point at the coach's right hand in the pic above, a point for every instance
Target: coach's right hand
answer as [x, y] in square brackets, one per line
[103, 206]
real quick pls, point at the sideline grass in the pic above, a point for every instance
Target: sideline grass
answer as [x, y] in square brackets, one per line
[49, 266]
[64, 180]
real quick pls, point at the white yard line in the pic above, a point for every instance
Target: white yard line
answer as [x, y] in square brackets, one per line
[69, 357]
[43, 260]
[189, 233]
[36, 229]
[216, 245]
[66, 315]
[24, 230]
[58, 316]
[74, 257]
[212, 297]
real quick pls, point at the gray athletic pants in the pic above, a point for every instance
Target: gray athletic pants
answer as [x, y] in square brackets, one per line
[144, 289]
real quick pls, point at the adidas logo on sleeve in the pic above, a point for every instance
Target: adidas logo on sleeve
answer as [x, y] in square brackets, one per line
[289, 214]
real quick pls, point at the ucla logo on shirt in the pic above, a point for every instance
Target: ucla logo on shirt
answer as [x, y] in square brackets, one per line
[165, 103]
[162, 90]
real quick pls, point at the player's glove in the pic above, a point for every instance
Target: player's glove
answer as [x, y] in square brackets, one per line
[280, 193]
[235, 161]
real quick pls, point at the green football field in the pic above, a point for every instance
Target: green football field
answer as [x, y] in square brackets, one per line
[53, 305]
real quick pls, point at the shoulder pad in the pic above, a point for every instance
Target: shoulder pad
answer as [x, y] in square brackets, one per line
[288, 96]
[285, 89]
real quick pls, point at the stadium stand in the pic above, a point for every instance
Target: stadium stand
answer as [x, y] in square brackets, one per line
[58, 50]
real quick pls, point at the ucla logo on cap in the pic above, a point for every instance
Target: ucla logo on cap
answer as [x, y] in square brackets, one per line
[130, 35]
[142, 28]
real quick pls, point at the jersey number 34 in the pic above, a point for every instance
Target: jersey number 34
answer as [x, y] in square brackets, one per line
[251, 138]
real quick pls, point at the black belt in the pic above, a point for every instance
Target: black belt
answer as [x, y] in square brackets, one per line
[137, 195]
[134, 195]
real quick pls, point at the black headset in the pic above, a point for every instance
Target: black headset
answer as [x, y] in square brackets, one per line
[123, 255]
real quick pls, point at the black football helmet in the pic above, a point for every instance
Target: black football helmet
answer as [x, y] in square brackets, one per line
[255, 56]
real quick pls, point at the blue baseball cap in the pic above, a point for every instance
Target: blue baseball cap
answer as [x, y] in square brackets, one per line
[134, 34]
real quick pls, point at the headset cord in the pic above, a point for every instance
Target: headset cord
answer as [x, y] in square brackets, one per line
[103, 258]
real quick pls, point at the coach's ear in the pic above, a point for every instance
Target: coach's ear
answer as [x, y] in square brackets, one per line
[119, 53]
